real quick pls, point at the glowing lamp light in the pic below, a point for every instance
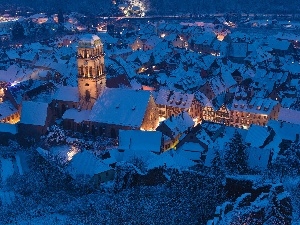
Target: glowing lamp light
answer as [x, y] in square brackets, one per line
[14, 83]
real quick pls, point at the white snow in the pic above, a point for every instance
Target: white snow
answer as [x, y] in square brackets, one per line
[170, 159]
[7, 168]
[86, 164]
[140, 140]
[34, 113]
[67, 93]
[121, 107]
[77, 116]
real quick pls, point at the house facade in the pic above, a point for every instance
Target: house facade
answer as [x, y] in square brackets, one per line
[258, 111]
[171, 103]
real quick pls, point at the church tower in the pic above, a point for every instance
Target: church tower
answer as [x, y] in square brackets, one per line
[91, 75]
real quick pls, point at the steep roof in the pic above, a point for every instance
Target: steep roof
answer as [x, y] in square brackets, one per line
[8, 128]
[191, 150]
[86, 164]
[77, 116]
[6, 109]
[170, 159]
[257, 135]
[119, 106]
[175, 99]
[256, 105]
[140, 140]
[67, 93]
[34, 113]
[289, 115]
[287, 131]
[177, 124]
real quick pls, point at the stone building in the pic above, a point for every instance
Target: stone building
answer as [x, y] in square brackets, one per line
[101, 110]
[124, 109]
[91, 75]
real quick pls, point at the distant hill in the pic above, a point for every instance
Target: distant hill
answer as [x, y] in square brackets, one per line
[92, 6]
[168, 6]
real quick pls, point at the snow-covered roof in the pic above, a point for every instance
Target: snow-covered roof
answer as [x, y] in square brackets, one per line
[279, 45]
[219, 84]
[67, 93]
[11, 74]
[120, 106]
[256, 105]
[140, 140]
[152, 41]
[204, 101]
[86, 164]
[170, 159]
[289, 115]
[12, 54]
[287, 131]
[258, 56]
[179, 124]
[205, 38]
[34, 113]
[28, 56]
[106, 38]
[8, 128]
[6, 109]
[238, 49]
[204, 137]
[191, 150]
[257, 135]
[175, 99]
[77, 116]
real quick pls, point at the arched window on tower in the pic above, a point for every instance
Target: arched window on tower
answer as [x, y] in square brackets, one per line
[102, 69]
[85, 54]
[91, 71]
[86, 71]
[81, 71]
[87, 95]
